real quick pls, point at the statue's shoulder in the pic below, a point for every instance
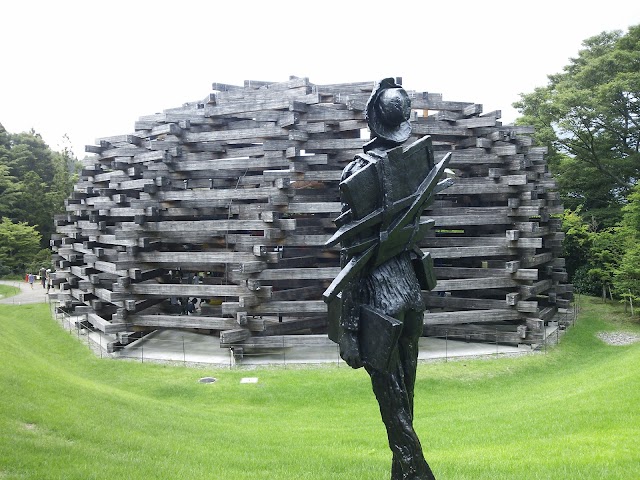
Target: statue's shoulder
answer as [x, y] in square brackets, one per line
[359, 162]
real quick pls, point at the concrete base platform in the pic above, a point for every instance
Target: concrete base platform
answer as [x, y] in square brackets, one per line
[176, 346]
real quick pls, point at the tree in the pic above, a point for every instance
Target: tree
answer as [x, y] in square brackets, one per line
[9, 192]
[29, 153]
[577, 240]
[19, 245]
[592, 256]
[627, 275]
[589, 116]
[65, 176]
[34, 180]
[605, 255]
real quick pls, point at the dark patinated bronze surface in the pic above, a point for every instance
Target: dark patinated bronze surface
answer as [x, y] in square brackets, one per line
[375, 303]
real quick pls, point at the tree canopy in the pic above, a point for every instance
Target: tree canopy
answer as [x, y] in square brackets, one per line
[34, 182]
[589, 116]
[19, 246]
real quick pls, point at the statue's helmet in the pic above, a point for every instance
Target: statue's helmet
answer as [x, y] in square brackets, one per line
[388, 111]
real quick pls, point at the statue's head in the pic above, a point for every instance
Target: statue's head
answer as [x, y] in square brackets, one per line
[388, 111]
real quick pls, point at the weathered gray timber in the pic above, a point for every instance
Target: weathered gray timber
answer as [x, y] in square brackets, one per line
[230, 200]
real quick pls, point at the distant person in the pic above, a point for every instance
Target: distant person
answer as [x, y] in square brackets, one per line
[184, 305]
[48, 279]
[32, 278]
[175, 305]
[43, 277]
[191, 306]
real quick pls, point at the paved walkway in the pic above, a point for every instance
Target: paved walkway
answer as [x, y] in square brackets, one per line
[37, 294]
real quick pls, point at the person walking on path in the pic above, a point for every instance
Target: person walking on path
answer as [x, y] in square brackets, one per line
[32, 279]
[48, 279]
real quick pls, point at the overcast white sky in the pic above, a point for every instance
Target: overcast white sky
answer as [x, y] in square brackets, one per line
[90, 69]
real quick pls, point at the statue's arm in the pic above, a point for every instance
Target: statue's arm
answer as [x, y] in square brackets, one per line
[350, 323]
[350, 312]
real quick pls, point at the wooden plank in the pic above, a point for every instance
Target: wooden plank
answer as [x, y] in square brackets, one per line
[472, 333]
[288, 341]
[289, 326]
[302, 293]
[334, 144]
[109, 267]
[475, 316]
[458, 240]
[234, 336]
[208, 225]
[263, 193]
[477, 186]
[315, 207]
[200, 259]
[457, 220]
[539, 259]
[327, 273]
[528, 291]
[460, 303]
[470, 156]
[250, 105]
[467, 252]
[440, 128]
[210, 166]
[104, 325]
[294, 308]
[182, 321]
[187, 290]
[474, 284]
[462, 272]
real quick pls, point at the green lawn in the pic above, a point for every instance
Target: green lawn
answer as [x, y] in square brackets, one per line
[8, 291]
[64, 414]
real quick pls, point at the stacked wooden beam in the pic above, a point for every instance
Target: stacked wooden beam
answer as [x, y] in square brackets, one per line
[231, 199]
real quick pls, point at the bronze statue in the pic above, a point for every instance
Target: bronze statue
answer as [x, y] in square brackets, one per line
[375, 303]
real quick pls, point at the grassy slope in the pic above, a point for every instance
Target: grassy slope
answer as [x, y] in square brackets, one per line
[8, 291]
[64, 414]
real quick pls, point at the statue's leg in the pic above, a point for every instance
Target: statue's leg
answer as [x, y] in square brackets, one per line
[412, 328]
[396, 410]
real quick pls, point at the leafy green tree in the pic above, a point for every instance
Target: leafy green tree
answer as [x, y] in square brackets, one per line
[589, 116]
[627, 275]
[42, 259]
[627, 279]
[592, 256]
[10, 192]
[65, 175]
[33, 207]
[606, 252]
[29, 153]
[34, 180]
[577, 241]
[19, 245]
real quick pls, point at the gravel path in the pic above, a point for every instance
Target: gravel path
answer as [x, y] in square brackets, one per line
[619, 338]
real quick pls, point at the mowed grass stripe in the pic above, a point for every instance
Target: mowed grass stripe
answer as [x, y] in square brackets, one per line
[8, 291]
[65, 414]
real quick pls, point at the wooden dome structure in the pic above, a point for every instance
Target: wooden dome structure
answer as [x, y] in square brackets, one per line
[230, 200]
